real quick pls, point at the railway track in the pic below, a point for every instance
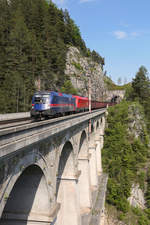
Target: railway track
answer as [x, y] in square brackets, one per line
[14, 123]
[20, 123]
[20, 136]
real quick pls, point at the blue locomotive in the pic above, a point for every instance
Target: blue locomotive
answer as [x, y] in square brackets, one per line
[51, 103]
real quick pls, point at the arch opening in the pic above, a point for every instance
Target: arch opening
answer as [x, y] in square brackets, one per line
[92, 128]
[66, 166]
[101, 120]
[84, 178]
[97, 125]
[83, 146]
[28, 199]
[66, 188]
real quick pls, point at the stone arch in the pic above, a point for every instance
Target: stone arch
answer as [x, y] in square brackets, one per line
[66, 188]
[83, 145]
[22, 204]
[66, 161]
[102, 123]
[92, 128]
[92, 134]
[92, 160]
[84, 178]
[34, 157]
[101, 120]
[97, 125]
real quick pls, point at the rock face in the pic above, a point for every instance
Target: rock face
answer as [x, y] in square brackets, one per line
[137, 197]
[136, 122]
[116, 93]
[80, 69]
[136, 126]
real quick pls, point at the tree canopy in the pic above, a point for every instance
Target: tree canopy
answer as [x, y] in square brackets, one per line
[141, 84]
[34, 38]
[140, 91]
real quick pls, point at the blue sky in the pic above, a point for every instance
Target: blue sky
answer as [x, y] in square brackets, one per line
[119, 30]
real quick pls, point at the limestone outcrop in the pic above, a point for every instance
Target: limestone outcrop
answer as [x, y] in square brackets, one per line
[136, 122]
[80, 69]
[136, 127]
[137, 197]
[115, 93]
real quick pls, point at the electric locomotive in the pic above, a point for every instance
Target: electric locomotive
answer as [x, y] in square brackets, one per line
[51, 103]
[82, 103]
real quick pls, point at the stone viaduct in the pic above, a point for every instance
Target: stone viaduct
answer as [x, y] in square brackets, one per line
[49, 171]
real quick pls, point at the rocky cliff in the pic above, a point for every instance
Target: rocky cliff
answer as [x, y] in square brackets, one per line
[80, 69]
[115, 93]
[136, 128]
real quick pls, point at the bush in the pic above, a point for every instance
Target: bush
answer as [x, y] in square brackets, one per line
[143, 220]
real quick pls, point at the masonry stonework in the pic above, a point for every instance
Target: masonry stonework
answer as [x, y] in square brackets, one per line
[51, 181]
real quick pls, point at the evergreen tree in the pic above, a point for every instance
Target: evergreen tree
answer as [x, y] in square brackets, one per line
[97, 58]
[140, 90]
[72, 33]
[18, 64]
[5, 23]
[141, 84]
[34, 37]
[68, 88]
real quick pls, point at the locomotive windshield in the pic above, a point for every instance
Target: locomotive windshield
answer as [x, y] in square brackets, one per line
[41, 99]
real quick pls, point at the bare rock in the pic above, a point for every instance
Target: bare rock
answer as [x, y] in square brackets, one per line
[137, 197]
[80, 69]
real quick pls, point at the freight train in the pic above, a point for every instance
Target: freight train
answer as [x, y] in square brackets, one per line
[47, 104]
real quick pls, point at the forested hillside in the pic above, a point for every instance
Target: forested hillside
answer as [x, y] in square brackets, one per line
[34, 38]
[126, 154]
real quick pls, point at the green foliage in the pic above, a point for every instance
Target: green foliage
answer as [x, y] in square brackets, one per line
[34, 38]
[141, 179]
[121, 216]
[112, 86]
[126, 157]
[129, 92]
[147, 211]
[142, 217]
[143, 220]
[137, 211]
[77, 66]
[72, 34]
[147, 194]
[141, 84]
[97, 58]
[68, 88]
[122, 158]
[140, 150]
[140, 91]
